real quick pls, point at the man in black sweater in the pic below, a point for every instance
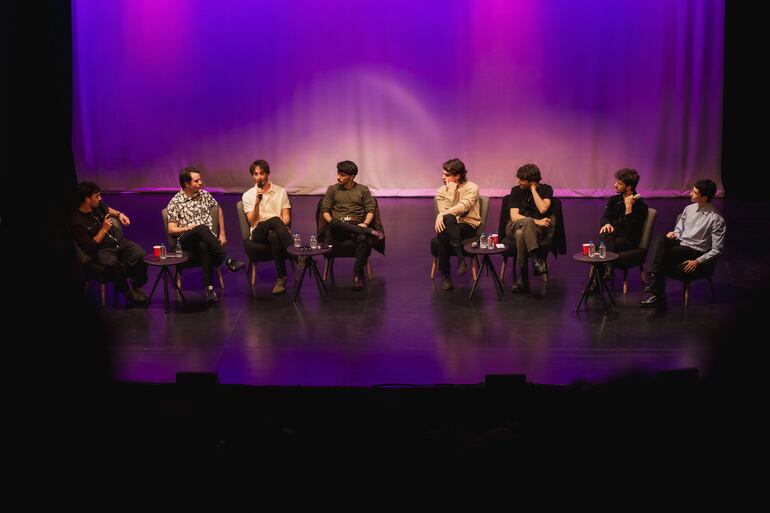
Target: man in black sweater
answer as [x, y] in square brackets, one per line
[94, 233]
[624, 217]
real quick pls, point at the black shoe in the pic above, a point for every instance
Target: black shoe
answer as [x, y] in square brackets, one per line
[653, 301]
[520, 286]
[539, 266]
[141, 295]
[462, 267]
[133, 299]
[446, 283]
[358, 283]
[211, 296]
[233, 265]
[593, 288]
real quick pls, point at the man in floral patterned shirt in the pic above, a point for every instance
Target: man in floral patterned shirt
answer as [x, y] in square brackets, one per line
[189, 220]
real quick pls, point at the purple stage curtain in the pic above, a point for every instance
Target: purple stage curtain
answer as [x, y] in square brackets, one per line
[579, 87]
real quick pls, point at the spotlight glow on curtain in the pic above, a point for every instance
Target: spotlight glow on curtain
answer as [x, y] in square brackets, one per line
[579, 87]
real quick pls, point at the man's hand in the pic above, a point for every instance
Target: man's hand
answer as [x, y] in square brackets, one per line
[671, 235]
[363, 225]
[107, 223]
[533, 186]
[607, 228]
[439, 226]
[690, 265]
[544, 222]
[629, 201]
[124, 220]
[222, 239]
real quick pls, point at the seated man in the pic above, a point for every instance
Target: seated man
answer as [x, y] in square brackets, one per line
[457, 219]
[623, 218]
[529, 202]
[189, 219]
[697, 238]
[121, 258]
[349, 209]
[268, 210]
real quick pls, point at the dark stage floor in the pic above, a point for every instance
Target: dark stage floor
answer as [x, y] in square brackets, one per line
[403, 329]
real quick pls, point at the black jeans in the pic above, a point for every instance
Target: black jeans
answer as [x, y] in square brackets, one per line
[123, 263]
[201, 242]
[453, 235]
[362, 237]
[276, 234]
[667, 254]
[617, 242]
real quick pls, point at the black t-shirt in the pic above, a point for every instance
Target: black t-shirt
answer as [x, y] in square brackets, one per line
[629, 226]
[84, 229]
[523, 200]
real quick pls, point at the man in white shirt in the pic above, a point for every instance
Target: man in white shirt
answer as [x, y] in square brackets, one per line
[268, 210]
[698, 238]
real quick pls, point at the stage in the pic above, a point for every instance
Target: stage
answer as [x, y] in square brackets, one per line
[404, 329]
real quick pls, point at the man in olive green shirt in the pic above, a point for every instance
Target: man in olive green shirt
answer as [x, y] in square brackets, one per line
[349, 209]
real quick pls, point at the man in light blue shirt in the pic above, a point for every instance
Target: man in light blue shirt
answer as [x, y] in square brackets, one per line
[697, 239]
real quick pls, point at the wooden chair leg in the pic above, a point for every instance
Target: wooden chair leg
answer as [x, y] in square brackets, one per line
[545, 278]
[369, 272]
[179, 278]
[326, 268]
[103, 289]
[625, 282]
[474, 267]
[221, 281]
[643, 275]
[433, 268]
[502, 269]
[686, 293]
[253, 266]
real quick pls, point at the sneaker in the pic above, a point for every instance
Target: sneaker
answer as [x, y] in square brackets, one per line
[358, 283]
[233, 265]
[539, 266]
[301, 262]
[280, 286]
[520, 286]
[446, 283]
[133, 299]
[462, 267]
[211, 295]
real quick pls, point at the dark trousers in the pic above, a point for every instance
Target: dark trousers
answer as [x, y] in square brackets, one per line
[362, 237]
[276, 234]
[617, 242]
[201, 242]
[525, 236]
[451, 237]
[667, 254]
[123, 263]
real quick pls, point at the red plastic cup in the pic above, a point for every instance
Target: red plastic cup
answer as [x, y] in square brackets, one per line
[156, 251]
[586, 247]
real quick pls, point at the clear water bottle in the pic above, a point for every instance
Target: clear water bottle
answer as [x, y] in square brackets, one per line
[591, 248]
[162, 251]
[313, 242]
[602, 250]
[178, 250]
[297, 240]
[483, 241]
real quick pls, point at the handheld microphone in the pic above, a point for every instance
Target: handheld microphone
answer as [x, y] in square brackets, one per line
[104, 212]
[260, 184]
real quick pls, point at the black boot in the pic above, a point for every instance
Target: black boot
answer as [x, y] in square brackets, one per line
[522, 281]
[462, 265]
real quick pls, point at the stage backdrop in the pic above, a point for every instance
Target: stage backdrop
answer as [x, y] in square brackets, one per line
[579, 87]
